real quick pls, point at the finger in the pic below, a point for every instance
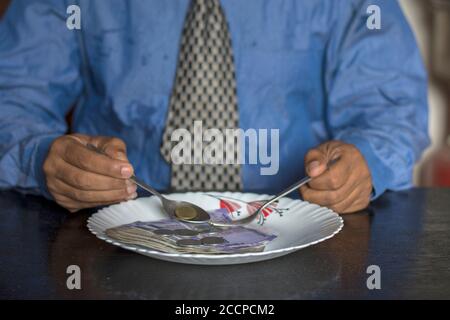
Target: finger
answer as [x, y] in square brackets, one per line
[334, 177]
[86, 180]
[328, 197]
[113, 147]
[358, 196]
[343, 205]
[59, 187]
[315, 162]
[334, 197]
[80, 156]
[361, 203]
[356, 207]
[81, 138]
[317, 159]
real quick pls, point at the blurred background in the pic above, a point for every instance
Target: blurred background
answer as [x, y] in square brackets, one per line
[430, 21]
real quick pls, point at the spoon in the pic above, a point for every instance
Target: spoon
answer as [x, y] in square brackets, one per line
[283, 193]
[191, 213]
[180, 210]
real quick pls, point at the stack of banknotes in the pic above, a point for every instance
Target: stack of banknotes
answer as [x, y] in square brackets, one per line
[174, 236]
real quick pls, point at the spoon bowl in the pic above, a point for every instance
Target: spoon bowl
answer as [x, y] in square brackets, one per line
[180, 210]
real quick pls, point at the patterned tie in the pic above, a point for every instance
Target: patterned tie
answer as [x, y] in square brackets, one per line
[204, 89]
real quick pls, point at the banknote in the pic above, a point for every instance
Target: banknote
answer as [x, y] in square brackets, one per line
[174, 236]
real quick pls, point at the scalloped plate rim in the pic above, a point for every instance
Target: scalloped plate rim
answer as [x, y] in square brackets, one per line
[155, 253]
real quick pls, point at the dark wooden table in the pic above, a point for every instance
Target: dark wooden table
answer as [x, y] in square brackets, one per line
[406, 234]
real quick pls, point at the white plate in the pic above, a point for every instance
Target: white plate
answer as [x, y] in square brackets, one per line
[297, 224]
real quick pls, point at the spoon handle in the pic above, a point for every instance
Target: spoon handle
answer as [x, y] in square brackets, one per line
[293, 187]
[146, 187]
[249, 219]
[283, 193]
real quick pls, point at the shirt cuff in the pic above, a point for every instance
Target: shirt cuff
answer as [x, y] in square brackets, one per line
[377, 170]
[41, 153]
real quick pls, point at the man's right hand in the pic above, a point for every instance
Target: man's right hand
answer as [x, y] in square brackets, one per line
[81, 178]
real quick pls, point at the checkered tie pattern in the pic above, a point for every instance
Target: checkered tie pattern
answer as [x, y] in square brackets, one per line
[205, 90]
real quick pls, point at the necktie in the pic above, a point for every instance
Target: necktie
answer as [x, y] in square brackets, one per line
[204, 90]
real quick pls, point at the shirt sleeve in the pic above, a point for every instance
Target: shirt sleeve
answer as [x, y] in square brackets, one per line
[39, 82]
[377, 91]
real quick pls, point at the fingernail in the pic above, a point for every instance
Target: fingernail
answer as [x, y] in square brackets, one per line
[131, 189]
[134, 195]
[313, 165]
[126, 172]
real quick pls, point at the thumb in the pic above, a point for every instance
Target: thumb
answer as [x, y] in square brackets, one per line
[113, 147]
[81, 138]
[315, 162]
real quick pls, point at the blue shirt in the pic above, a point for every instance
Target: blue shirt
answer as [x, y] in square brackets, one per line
[311, 69]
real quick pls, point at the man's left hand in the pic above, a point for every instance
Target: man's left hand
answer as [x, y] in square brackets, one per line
[345, 186]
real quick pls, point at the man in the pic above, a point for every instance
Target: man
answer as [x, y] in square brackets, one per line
[334, 87]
